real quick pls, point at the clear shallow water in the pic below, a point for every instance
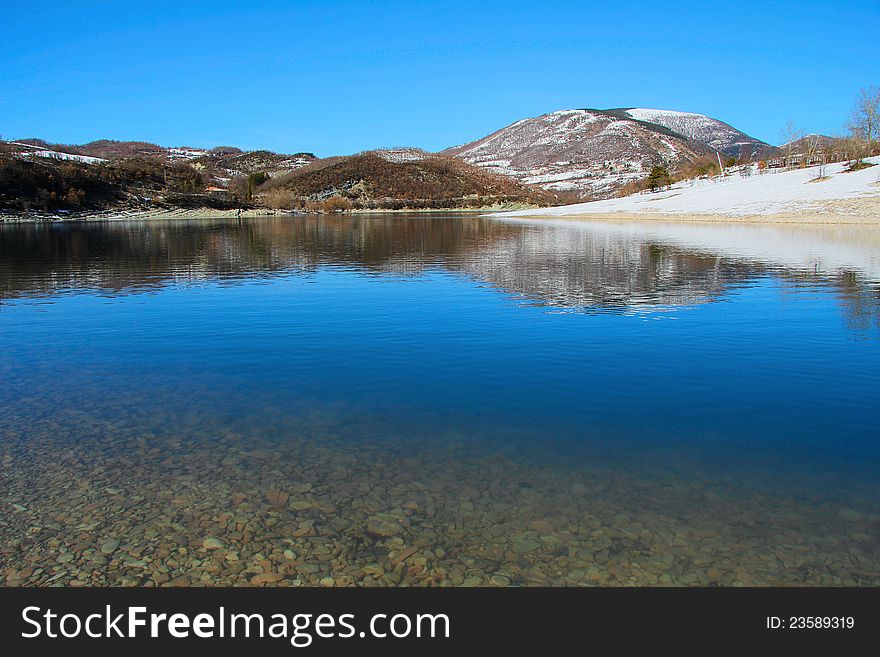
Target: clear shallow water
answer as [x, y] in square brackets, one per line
[439, 400]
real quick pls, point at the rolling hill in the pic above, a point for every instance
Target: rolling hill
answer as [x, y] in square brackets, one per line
[405, 178]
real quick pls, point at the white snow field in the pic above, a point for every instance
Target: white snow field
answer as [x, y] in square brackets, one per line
[57, 155]
[35, 151]
[764, 193]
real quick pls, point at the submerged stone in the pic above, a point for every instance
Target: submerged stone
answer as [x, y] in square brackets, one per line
[525, 545]
[213, 543]
[266, 578]
[277, 497]
[384, 525]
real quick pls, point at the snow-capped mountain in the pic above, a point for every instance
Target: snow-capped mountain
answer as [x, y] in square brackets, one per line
[703, 129]
[596, 152]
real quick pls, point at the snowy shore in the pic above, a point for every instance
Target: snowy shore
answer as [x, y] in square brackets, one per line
[797, 196]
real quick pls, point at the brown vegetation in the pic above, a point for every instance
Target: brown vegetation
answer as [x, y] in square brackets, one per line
[336, 204]
[222, 162]
[278, 199]
[368, 181]
[48, 184]
[704, 166]
[858, 165]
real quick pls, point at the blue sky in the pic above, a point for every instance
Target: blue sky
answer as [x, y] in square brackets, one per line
[336, 77]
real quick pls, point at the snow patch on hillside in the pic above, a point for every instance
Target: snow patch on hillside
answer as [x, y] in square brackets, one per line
[32, 151]
[398, 155]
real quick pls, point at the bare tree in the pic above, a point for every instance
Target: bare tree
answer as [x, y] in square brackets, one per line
[790, 134]
[810, 147]
[865, 121]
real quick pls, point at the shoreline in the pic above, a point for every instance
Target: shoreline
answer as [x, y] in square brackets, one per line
[857, 211]
[130, 215]
[210, 213]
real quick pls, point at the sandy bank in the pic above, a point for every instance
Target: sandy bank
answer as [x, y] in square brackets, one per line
[864, 211]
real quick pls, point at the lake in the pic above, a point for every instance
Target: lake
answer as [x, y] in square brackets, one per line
[439, 400]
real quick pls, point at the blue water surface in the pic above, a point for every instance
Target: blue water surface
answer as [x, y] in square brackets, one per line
[474, 326]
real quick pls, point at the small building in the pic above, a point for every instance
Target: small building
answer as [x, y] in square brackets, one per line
[217, 192]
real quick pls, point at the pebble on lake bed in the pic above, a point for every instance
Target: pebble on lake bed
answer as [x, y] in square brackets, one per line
[194, 503]
[277, 497]
[384, 525]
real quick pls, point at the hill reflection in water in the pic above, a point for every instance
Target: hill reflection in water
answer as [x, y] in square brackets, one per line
[585, 267]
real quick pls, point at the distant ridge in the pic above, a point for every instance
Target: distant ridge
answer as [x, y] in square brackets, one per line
[103, 175]
[699, 128]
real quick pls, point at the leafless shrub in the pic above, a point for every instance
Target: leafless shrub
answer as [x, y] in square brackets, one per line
[336, 204]
[279, 199]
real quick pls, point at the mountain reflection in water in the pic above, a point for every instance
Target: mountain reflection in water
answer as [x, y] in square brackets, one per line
[584, 267]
